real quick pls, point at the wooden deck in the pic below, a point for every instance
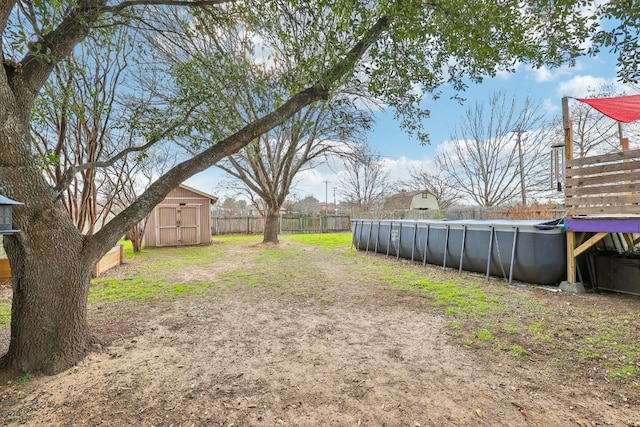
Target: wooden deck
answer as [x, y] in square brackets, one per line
[602, 196]
[606, 185]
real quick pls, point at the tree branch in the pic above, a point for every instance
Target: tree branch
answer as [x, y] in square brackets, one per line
[57, 44]
[67, 178]
[110, 233]
[187, 3]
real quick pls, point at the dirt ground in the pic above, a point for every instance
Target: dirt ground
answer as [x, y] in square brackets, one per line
[342, 353]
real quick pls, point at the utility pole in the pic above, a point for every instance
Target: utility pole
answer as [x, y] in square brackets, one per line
[326, 200]
[335, 206]
[326, 196]
[522, 186]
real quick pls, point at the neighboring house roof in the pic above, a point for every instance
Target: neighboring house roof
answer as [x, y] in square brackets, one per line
[400, 201]
[213, 198]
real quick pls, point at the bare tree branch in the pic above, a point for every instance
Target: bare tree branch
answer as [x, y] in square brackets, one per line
[66, 179]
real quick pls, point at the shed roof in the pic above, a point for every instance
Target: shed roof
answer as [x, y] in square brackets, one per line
[401, 200]
[213, 198]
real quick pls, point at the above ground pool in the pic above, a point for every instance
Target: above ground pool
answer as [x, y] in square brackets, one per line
[526, 251]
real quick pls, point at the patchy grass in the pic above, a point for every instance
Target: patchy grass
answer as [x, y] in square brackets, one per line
[5, 313]
[516, 350]
[594, 335]
[285, 268]
[241, 239]
[140, 288]
[599, 337]
[129, 288]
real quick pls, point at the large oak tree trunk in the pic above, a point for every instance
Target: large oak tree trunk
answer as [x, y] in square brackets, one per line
[50, 263]
[271, 226]
[49, 328]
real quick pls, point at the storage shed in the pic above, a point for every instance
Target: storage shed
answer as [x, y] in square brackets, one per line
[182, 218]
[422, 200]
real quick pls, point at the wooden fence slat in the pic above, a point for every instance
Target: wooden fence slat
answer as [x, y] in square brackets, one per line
[603, 200]
[609, 210]
[630, 165]
[604, 158]
[625, 176]
[603, 189]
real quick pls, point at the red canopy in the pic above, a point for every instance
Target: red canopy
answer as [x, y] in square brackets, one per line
[624, 109]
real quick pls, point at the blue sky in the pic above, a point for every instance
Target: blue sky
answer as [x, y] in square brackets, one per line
[401, 151]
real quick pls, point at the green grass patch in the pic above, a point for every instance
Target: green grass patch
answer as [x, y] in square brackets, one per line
[536, 327]
[483, 335]
[196, 287]
[24, 378]
[465, 299]
[516, 350]
[587, 354]
[5, 313]
[328, 240]
[129, 288]
[625, 372]
[140, 288]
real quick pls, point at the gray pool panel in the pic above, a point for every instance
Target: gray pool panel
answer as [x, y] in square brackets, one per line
[527, 251]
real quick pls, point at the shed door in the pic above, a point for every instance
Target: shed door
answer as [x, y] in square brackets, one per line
[189, 225]
[178, 225]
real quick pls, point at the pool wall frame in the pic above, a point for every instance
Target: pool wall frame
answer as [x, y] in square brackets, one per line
[525, 251]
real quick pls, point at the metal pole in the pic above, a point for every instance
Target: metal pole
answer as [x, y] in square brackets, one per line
[355, 230]
[399, 242]
[446, 246]
[413, 244]
[464, 237]
[522, 186]
[426, 245]
[492, 231]
[513, 255]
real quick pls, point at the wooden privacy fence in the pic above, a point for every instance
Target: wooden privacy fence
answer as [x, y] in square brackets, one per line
[605, 184]
[288, 224]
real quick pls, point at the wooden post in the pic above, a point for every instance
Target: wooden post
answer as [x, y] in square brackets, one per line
[566, 124]
[568, 154]
[571, 260]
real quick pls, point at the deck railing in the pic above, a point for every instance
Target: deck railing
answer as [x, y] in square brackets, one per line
[608, 184]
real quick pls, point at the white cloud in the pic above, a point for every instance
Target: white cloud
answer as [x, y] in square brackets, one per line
[545, 74]
[580, 85]
[542, 74]
[399, 168]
